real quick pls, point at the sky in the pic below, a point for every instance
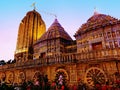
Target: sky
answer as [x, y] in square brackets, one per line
[71, 14]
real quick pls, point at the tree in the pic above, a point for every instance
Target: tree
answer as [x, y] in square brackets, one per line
[2, 62]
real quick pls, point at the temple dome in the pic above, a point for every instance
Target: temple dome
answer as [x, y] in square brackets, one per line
[55, 31]
[96, 21]
[31, 28]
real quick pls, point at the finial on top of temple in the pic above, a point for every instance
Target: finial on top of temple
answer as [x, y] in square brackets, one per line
[33, 5]
[55, 16]
[56, 21]
[95, 11]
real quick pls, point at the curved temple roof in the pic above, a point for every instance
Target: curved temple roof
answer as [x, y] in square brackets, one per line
[31, 28]
[55, 31]
[96, 21]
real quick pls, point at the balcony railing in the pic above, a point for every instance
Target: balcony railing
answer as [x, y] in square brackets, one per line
[99, 55]
[61, 59]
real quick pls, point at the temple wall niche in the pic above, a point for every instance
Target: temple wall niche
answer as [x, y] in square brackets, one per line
[52, 74]
[29, 74]
[10, 77]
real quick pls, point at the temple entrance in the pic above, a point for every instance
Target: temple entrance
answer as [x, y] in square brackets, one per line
[61, 77]
[95, 75]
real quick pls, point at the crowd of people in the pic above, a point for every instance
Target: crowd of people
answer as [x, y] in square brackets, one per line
[42, 83]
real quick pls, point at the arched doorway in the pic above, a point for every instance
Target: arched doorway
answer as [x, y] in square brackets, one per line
[95, 75]
[36, 75]
[2, 76]
[22, 77]
[61, 77]
[38, 78]
[10, 77]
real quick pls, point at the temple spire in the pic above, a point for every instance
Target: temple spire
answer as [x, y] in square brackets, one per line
[55, 16]
[95, 11]
[33, 5]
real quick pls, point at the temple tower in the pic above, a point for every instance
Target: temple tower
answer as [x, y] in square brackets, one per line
[31, 28]
[52, 42]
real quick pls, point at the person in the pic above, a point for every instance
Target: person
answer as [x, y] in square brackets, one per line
[62, 87]
[24, 85]
[37, 85]
[98, 86]
[46, 79]
[53, 86]
[46, 85]
[16, 86]
[106, 86]
[60, 80]
[29, 86]
[70, 87]
[74, 87]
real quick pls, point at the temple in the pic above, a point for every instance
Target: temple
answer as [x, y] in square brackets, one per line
[94, 55]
